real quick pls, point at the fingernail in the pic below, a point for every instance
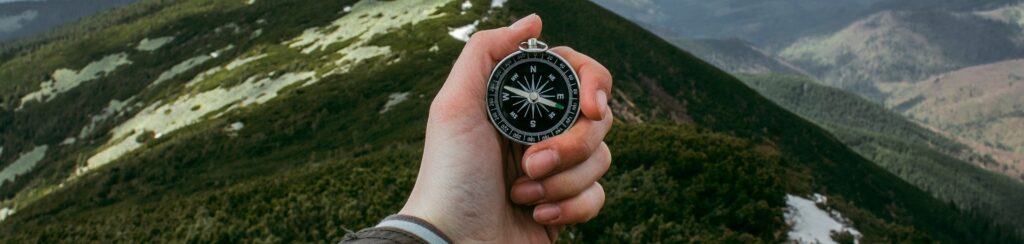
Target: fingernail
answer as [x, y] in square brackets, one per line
[531, 192]
[541, 163]
[602, 100]
[519, 23]
[546, 213]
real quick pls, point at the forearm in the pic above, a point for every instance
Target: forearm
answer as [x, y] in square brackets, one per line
[398, 229]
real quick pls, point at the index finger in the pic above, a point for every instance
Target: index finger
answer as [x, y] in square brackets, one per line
[486, 48]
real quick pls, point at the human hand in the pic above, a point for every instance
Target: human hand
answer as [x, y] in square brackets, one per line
[465, 186]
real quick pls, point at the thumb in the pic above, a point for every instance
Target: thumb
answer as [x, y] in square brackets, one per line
[486, 48]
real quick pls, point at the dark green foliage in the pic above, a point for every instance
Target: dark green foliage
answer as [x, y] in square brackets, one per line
[317, 203]
[671, 183]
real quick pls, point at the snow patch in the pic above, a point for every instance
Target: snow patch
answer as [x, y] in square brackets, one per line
[180, 68]
[63, 80]
[375, 17]
[394, 99]
[232, 26]
[68, 141]
[187, 65]
[812, 224]
[113, 108]
[154, 44]
[242, 62]
[23, 164]
[164, 118]
[236, 126]
[347, 9]
[466, 6]
[434, 48]
[497, 3]
[462, 33]
[250, 2]
[354, 54]
[4, 212]
[256, 33]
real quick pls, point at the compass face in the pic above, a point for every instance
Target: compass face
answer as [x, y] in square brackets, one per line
[532, 96]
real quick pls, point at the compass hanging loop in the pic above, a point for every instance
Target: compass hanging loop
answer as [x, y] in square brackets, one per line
[533, 45]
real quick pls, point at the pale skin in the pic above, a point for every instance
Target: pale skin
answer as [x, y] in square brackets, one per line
[464, 187]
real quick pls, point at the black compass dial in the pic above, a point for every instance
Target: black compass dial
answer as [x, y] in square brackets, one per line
[532, 96]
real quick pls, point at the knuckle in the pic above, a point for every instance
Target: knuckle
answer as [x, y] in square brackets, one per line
[558, 188]
[580, 146]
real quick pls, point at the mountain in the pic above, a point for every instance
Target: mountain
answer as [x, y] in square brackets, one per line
[980, 104]
[941, 166]
[736, 56]
[885, 50]
[926, 159]
[766, 23]
[273, 120]
[893, 46]
[24, 18]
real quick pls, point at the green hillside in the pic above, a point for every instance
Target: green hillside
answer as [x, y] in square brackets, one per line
[699, 156]
[916, 154]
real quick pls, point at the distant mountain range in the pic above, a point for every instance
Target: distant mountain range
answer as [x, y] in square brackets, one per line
[24, 18]
[895, 46]
[737, 56]
[949, 66]
[876, 50]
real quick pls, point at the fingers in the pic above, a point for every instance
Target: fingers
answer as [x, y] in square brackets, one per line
[568, 149]
[595, 82]
[565, 184]
[578, 209]
[485, 48]
[473, 67]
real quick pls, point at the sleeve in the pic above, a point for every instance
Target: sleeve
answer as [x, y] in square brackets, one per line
[399, 229]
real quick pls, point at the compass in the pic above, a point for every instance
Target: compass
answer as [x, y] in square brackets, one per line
[533, 94]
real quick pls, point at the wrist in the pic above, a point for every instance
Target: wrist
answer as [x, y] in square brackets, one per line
[429, 215]
[415, 226]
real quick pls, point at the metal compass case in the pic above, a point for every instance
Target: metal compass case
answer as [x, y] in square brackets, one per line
[533, 94]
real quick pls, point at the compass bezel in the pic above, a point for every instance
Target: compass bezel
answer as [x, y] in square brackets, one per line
[492, 96]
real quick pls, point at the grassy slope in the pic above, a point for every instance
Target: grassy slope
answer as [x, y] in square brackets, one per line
[916, 154]
[980, 104]
[335, 124]
[49, 123]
